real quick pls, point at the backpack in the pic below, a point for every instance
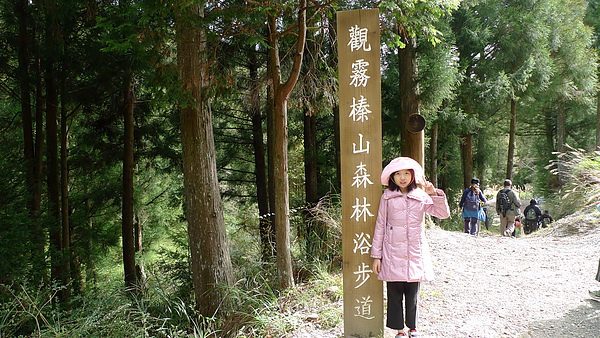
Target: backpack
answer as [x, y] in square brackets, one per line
[503, 202]
[471, 201]
[545, 221]
[531, 214]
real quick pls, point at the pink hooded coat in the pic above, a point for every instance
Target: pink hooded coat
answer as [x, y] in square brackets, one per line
[399, 239]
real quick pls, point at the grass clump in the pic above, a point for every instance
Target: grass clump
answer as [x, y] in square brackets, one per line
[264, 312]
[578, 172]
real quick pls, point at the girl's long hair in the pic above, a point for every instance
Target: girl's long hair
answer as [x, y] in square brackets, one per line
[394, 187]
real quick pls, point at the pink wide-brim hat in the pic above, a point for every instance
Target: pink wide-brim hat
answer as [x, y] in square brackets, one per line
[402, 163]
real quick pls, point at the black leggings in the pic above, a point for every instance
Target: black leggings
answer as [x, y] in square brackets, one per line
[396, 291]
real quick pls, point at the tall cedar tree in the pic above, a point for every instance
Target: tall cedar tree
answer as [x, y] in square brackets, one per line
[406, 23]
[278, 136]
[211, 263]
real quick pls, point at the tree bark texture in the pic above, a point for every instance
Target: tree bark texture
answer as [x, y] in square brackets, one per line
[64, 191]
[32, 181]
[24, 83]
[561, 139]
[598, 121]
[511, 139]
[266, 233]
[127, 229]
[52, 50]
[310, 159]
[315, 234]
[338, 146]
[433, 154]
[412, 144]
[467, 159]
[211, 263]
[278, 139]
[39, 235]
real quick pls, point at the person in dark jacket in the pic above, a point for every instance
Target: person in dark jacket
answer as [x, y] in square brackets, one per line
[546, 219]
[471, 206]
[532, 215]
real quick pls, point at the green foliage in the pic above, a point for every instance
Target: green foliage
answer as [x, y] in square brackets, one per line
[262, 312]
[15, 247]
[109, 313]
[414, 18]
[579, 171]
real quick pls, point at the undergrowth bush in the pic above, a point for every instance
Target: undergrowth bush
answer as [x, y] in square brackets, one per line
[578, 171]
[262, 311]
[100, 313]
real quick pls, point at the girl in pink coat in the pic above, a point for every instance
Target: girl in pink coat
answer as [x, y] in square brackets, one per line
[400, 251]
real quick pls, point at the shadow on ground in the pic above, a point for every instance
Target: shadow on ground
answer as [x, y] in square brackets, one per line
[583, 321]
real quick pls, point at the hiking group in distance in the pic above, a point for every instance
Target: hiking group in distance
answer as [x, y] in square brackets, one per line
[508, 208]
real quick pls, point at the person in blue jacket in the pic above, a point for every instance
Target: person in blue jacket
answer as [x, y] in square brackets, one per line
[470, 204]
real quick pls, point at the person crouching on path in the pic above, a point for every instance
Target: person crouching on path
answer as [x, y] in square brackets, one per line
[400, 250]
[470, 204]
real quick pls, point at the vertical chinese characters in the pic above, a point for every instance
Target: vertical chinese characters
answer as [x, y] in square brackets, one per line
[359, 113]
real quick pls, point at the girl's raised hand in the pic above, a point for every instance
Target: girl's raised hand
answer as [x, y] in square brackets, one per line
[429, 188]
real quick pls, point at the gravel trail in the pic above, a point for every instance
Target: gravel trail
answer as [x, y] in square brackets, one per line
[491, 286]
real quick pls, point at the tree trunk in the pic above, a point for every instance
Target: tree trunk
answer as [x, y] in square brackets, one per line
[278, 141]
[467, 145]
[36, 233]
[209, 249]
[24, 83]
[281, 194]
[310, 159]
[39, 242]
[127, 228]
[549, 127]
[467, 159]
[64, 187]
[561, 139]
[412, 144]
[511, 139]
[52, 49]
[315, 234]
[140, 270]
[266, 233]
[338, 147]
[433, 160]
[598, 121]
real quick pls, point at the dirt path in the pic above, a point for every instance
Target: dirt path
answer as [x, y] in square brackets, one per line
[491, 286]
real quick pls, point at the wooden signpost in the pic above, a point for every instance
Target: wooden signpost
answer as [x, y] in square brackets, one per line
[360, 139]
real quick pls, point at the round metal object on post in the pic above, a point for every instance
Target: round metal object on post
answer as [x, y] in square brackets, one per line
[416, 123]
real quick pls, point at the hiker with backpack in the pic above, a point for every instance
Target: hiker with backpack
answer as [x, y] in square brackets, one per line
[546, 219]
[532, 217]
[508, 207]
[471, 206]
